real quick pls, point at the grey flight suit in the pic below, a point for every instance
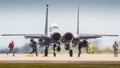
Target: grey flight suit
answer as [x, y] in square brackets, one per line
[115, 47]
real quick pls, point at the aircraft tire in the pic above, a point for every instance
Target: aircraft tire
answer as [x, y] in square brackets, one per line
[54, 54]
[46, 51]
[70, 52]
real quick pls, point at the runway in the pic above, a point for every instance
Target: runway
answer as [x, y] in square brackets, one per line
[61, 59]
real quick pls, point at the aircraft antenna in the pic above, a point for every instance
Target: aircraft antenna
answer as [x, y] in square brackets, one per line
[46, 22]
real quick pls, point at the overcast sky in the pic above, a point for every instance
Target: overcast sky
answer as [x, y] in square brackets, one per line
[28, 16]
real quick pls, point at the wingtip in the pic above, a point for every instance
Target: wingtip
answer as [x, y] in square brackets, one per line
[2, 35]
[117, 35]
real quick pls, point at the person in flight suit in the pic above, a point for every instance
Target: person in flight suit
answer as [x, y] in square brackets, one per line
[34, 47]
[115, 47]
[11, 48]
[90, 48]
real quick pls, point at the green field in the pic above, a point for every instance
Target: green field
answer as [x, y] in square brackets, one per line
[56, 66]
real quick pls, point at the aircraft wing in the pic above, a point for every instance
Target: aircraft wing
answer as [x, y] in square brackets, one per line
[92, 36]
[40, 36]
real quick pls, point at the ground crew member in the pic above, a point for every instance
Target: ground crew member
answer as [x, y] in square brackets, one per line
[34, 47]
[90, 48]
[115, 47]
[11, 48]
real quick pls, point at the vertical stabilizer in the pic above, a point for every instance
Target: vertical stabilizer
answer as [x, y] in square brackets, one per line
[46, 22]
[78, 21]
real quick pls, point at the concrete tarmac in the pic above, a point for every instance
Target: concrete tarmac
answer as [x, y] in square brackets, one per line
[61, 59]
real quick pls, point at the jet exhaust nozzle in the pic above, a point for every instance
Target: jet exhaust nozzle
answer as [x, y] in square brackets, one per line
[56, 37]
[68, 37]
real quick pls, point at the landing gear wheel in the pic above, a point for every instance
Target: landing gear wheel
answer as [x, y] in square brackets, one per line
[54, 54]
[46, 51]
[67, 47]
[58, 48]
[70, 52]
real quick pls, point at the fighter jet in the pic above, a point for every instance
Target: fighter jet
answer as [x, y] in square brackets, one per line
[55, 39]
